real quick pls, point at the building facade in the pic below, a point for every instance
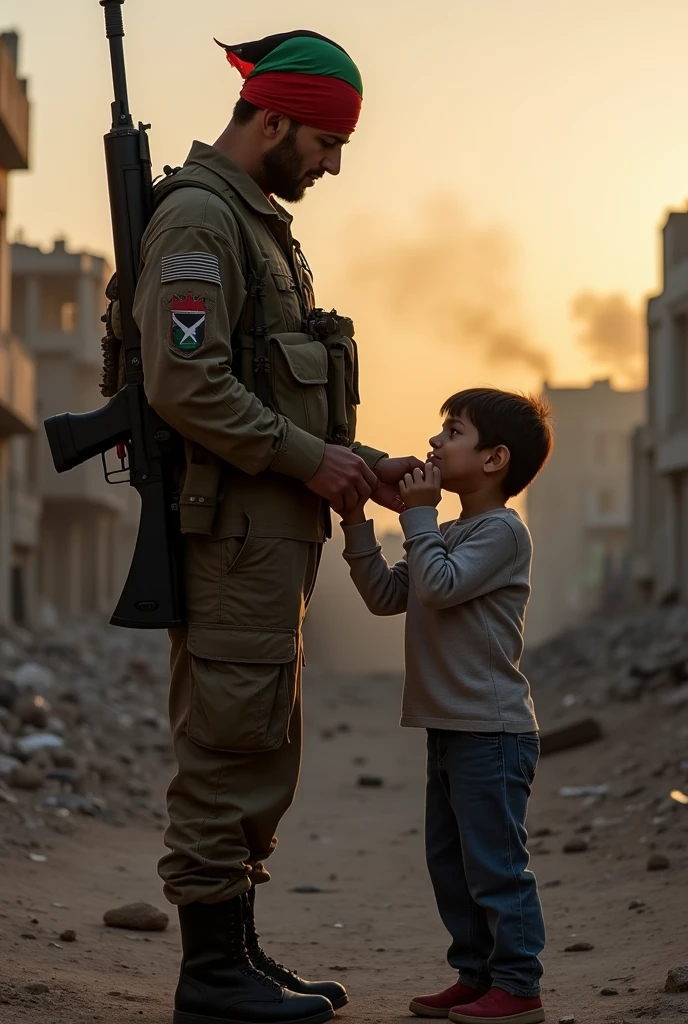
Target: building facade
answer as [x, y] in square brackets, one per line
[579, 508]
[87, 526]
[19, 501]
[660, 445]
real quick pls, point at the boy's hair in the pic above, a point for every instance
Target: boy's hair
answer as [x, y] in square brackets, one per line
[520, 422]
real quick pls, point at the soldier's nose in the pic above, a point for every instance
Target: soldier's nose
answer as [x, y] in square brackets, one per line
[333, 164]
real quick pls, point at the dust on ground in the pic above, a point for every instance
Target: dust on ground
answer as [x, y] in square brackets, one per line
[372, 923]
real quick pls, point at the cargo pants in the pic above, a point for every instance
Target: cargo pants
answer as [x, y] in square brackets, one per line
[235, 711]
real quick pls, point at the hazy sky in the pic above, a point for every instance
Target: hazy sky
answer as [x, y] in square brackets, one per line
[550, 134]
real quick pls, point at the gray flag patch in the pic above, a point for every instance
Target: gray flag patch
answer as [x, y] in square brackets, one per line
[191, 266]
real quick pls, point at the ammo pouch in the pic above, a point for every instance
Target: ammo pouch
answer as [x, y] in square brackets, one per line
[336, 333]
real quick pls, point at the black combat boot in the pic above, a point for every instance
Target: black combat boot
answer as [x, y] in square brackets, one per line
[218, 983]
[332, 990]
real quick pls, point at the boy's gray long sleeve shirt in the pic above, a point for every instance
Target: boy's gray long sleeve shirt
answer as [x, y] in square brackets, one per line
[464, 586]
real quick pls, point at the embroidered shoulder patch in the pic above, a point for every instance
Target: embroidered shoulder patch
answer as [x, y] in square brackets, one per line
[191, 266]
[187, 323]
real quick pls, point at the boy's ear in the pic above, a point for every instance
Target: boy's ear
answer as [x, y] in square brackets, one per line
[497, 459]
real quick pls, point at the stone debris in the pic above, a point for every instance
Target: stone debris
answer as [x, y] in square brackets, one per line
[677, 979]
[82, 725]
[68, 936]
[609, 992]
[370, 782]
[137, 917]
[568, 737]
[579, 947]
[576, 791]
[658, 862]
[569, 1019]
[37, 988]
[576, 845]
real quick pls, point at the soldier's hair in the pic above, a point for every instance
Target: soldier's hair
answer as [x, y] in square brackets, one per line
[244, 112]
[522, 423]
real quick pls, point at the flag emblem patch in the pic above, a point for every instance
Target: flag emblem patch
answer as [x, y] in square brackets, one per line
[187, 323]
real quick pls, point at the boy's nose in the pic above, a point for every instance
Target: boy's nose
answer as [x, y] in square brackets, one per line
[434, 442]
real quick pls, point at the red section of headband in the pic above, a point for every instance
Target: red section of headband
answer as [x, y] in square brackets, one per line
[328, 104]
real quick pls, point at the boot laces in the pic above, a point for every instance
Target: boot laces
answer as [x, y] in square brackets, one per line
[249, 970]
[263, 958]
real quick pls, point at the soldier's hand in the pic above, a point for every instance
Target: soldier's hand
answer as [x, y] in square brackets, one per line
[342, 478]
[389, 473]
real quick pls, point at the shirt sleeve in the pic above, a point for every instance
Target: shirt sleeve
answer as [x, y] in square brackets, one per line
[384, 588]
[188, 301]
[482, 563]
[371, 456]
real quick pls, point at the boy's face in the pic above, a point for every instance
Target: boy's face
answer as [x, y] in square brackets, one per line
[455, 453]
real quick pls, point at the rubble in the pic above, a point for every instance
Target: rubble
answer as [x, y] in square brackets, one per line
[139, 917]
[658, 862]
[568, 737]
[576, 845]
[82, 724]
[677, 979]
[620, 658]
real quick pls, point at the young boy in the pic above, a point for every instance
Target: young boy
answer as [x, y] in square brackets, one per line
[464, 587]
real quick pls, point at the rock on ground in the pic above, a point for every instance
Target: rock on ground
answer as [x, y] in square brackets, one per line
[139, 917]
[677, 979]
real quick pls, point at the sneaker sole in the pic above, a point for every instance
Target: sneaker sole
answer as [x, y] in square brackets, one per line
[339, 1004]
[529, 1017]
[421, 1010]
[194, 1018]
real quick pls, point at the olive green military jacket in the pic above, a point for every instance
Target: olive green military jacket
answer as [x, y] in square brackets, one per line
[194, 313]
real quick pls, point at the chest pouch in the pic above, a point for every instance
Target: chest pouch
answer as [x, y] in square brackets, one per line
[336, 334]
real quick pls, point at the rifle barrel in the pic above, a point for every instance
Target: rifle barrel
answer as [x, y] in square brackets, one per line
[114, 30]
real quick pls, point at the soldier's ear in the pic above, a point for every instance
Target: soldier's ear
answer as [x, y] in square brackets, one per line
[273, 124]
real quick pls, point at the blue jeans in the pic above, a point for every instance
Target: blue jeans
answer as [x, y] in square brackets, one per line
[475, 840]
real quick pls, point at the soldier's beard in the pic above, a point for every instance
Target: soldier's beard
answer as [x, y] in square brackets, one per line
[283, 169]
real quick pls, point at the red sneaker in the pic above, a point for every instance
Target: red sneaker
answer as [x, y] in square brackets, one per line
[498, 1007]
[441, 1003]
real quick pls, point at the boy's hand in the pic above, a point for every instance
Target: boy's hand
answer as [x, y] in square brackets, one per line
[422, 487]
[352, 509]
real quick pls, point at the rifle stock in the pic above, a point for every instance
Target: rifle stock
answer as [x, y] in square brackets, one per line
[152, 597]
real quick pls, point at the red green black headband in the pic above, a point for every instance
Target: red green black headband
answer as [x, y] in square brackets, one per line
[302, 75]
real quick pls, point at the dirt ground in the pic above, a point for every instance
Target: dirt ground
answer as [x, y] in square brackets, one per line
[373, 925]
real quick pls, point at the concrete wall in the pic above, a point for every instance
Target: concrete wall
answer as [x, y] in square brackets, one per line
[19, 504]
[579, 508]
[87, 526]
[660, 449]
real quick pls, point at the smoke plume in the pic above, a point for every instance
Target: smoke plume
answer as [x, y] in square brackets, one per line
[613, 334]
[452, 281]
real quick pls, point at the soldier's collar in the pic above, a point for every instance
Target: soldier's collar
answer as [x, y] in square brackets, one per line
[241, 182]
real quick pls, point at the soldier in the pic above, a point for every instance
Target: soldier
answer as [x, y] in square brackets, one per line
[263, 389]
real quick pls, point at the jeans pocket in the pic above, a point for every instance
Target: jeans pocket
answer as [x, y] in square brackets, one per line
[528, 754]
[488, 738]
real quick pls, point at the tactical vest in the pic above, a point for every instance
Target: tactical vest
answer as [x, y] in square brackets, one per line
[275, 367]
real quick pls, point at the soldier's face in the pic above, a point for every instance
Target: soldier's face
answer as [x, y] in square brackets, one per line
[301, 157]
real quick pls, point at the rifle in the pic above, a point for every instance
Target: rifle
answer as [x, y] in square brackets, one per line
[152, 597]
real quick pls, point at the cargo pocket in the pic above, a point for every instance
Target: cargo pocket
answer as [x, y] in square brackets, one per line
[298, 381]
[243, 687]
